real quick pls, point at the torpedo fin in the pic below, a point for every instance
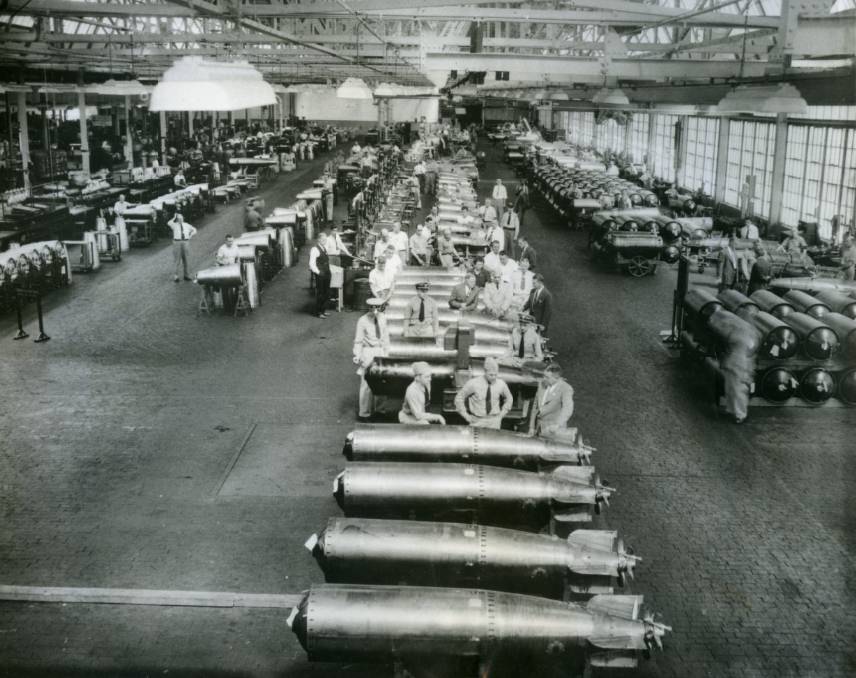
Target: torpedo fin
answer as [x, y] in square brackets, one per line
[604, 540]
[626, 607]
[575, 474]
[310, 543]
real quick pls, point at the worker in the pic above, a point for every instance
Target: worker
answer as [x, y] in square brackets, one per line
[510, 223]
[370, 341]
[480, 272]
[485, 399]
[182, 232]
[526, 251]
[737, 362]
[417, 398]
[319, 265]
[733, 273]
[490, 217]
[497, 297]
[500, 196]
[491, 259]
[419, 246]
[398, 238]
[336, 249]
[228, 253]
[524, 342]
[762, 268]
[521, 284]
[446, 250]
[119, 226]
[553, 406]
[421, 315]
[394, 264]
[465, 296]
[521, 199]
[848, 258]
[507, 267]
[381, 244]
[749, 231]
[466, 217]
[381, 281]
[624, 201]
[540, 303]
[179, 180]
[794, 244]
[612, 170]
[252, 216]
[494, 233]
[328, 196]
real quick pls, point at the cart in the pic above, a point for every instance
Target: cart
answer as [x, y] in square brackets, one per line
[635, 253]
[108, 246]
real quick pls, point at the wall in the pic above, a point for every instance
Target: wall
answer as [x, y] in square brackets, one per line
[328, 107]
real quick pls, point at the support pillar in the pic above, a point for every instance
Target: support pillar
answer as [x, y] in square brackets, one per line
[721, 161]
[652, 135]
[281, 99]
[84, 135]
[129, 137]
[162, 116]
[24, 138]
[777, 187]
[190, 115]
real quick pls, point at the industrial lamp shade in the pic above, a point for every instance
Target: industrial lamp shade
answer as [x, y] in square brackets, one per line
[558, 95]
[778, 98]
[612, 97]
[193, 84]
[354, 88]
[130, 88]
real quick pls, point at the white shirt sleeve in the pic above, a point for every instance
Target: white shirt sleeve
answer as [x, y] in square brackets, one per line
[313, 261]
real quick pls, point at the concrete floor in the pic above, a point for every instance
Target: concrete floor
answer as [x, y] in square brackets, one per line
[145, 448]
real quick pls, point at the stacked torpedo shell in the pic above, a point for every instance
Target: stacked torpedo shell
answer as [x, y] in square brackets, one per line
[448, 552]
[806, 350]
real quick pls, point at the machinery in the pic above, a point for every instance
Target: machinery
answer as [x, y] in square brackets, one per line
[348, 622]
[495, 496]
[39, 267]
[635, 253]
[367, 551]
[396, 442]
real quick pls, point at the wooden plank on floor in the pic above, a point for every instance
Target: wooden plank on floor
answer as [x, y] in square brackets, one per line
[61, 594]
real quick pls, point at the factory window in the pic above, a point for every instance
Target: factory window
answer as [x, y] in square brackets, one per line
[502, 75]
[639, 136]
[580, 128]
[820, 178]
[663, 154]
[609, 136]
[699, 169]
[750, 154]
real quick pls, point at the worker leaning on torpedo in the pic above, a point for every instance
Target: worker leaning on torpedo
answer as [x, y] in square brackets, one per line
[553, 406]
[421, 316]
[370, 340]
[417, 398]
[485, 399]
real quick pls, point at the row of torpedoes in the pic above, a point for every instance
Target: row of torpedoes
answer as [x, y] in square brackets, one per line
[541, 588]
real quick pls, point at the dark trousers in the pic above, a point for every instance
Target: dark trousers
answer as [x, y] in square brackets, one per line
[322, 293]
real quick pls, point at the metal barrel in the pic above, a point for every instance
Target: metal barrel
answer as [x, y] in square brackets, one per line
[847, 386]
[483, 335]
[701, 302]
[493, 495]
[818, 340]
[845, 330]
[735, 301]
[220, 276]
[771, 303]
[806, 303]
[450, 316]
[815, 285]
[391, 376]
[778, 340]
[360, 622]
[416, 553]
[257, 238]
[395, 442]
[778, 384]
[425, 350]
[622, 239]
[838, 302]
[817, 385]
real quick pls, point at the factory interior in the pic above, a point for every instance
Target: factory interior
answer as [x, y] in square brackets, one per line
[414, 339]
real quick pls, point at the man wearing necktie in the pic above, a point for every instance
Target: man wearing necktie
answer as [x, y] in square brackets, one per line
[422, 317]
[417, 398]
[524, 343]
[465, 296]
[319, 264]
[521, 285]
[527, 252]
[510, 223]
[485, 400]
[540, 303]
[553, 406]
[181, 234]
[370, 341]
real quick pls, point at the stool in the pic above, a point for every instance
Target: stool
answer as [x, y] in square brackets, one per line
[205, 301]
[242, 305]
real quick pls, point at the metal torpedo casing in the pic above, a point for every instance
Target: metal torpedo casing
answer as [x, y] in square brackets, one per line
[806, 303]
[838, 302]
[483, 335]
[336, 622]
[369, 551]
[778, 384]
[817, 339]
[220, 276]
[817, 385]
[772, 303]
[847, 386]
[815, 285]
[468, 492]
[845, 330]
[413, 350]
[396, 442]
[778, 340]
[449, 316]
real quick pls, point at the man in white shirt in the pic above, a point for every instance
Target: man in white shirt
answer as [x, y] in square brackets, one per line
[399, 240]
[179, 180]
[497, 298]
[749, 231]
[319, 264]
[500, 195]
[370, 341]
[466, 217]
[521, 283]
[381, 244]
[419, 247]
[228, 253]
[491, 259]
[510, 223]
[508, 267]
[393, 262]
[495, 234]
[490, 216]
[380, 280]
[419, 173]
[181, 235]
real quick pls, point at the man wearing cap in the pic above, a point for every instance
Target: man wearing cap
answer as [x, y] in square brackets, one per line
[414, 410]
[370, 341]
[540, 303]
[465, 296]
[524, 342]
[749, 231]
[510, 223]
[421, 316]
[499, 195]
[381, 280]
[485, 400]
[553, 406]
[497, 297]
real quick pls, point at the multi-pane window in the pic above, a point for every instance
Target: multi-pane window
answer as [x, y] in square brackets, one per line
[750, 154]
[580, 126]
[609, 136]
[638, 132]
[820, 179]
[699, 171]
[662, 156]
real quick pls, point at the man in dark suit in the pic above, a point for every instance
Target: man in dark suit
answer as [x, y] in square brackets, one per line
[733, 273]
[762, 269]
[465, 297]
[526, 251]
[540, 303]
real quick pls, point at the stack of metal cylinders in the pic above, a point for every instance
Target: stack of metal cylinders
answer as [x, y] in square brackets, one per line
[806, 347]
